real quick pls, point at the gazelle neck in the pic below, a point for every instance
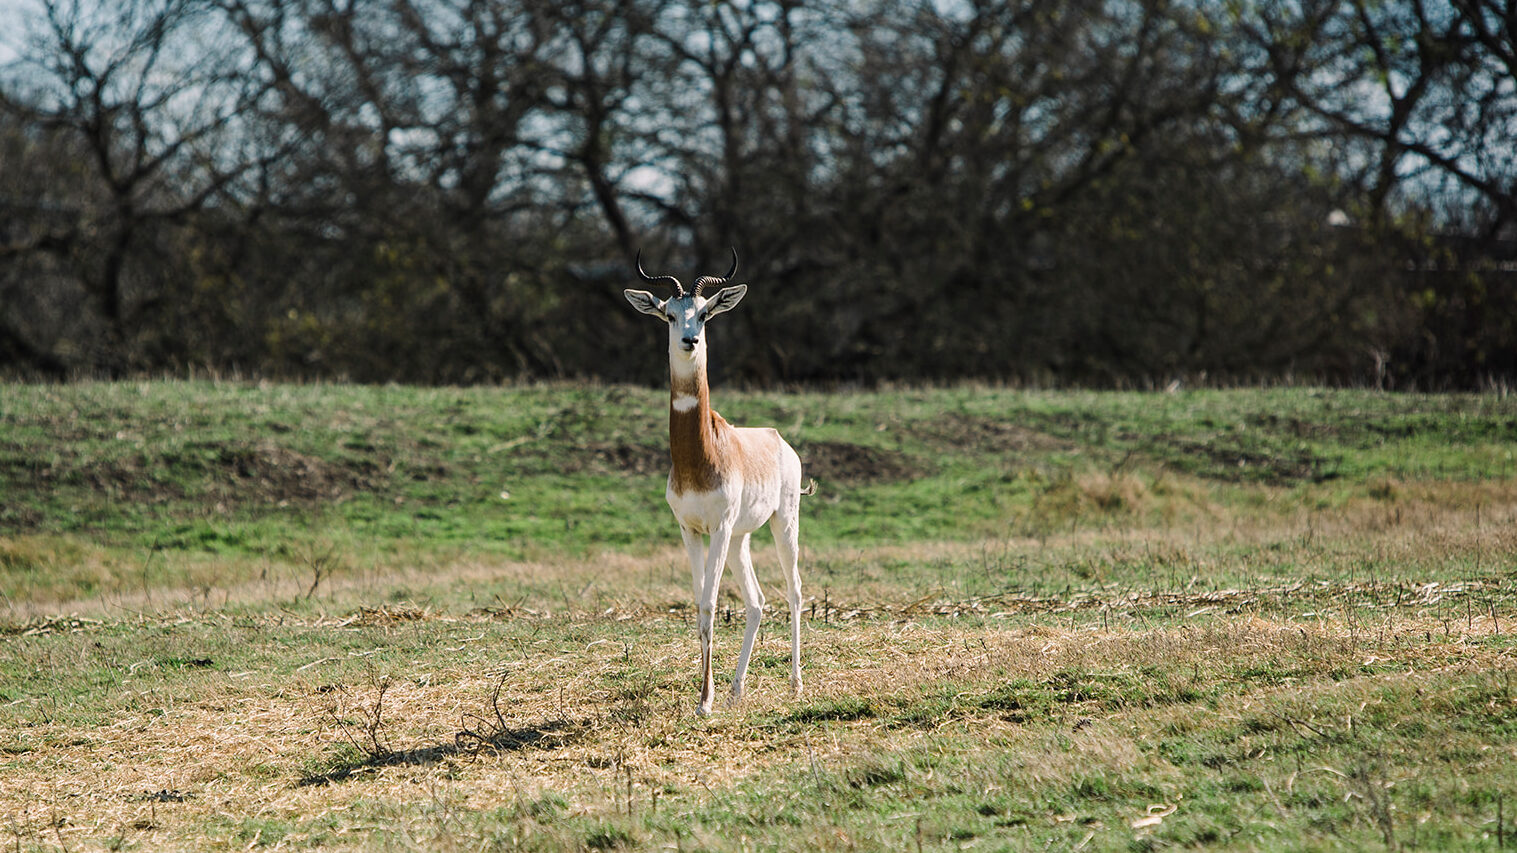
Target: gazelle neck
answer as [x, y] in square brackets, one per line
[692, 439]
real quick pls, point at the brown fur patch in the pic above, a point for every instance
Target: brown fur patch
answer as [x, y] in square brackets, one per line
[693, 437]
[706, 449]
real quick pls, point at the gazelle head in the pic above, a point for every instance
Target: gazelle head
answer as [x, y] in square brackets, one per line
[687, 313]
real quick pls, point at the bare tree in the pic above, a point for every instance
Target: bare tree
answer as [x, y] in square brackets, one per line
[145, 95]
[1103, 191]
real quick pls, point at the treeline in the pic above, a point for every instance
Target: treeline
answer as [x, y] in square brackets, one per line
[1080, 191]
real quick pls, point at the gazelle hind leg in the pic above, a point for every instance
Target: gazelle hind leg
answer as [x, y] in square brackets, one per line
[740, 561]
[786, 527]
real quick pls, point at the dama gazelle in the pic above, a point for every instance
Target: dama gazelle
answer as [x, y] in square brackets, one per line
[726, 481]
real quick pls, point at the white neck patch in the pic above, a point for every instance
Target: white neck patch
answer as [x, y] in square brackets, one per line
[684, 402]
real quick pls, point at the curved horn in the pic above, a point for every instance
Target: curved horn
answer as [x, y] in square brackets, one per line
[679, 289]
[713, 280]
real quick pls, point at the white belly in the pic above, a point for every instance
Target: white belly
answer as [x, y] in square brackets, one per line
[748, 507]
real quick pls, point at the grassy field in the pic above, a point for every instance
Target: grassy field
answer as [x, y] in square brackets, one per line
[248, 616]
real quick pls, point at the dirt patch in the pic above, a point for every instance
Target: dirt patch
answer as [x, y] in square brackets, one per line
[1298, 428]
[856, 464]
[266, 473]
[977, 434]
[616, 457]
[230, 473]
[132, 478]
[1235, 464]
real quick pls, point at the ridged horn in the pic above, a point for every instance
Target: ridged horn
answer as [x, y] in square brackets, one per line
[713, 280]
[679, 289]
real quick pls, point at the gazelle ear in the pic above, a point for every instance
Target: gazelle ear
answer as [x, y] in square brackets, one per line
[645, 302]
[726, 299]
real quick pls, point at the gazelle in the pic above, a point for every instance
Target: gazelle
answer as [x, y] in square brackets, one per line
[726, 481]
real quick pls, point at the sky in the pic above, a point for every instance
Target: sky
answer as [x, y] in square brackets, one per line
[11, 14]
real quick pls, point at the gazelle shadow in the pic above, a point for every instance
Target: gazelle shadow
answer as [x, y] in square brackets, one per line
[546, 736]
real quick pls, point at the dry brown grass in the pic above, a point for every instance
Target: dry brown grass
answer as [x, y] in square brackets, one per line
[170, 772]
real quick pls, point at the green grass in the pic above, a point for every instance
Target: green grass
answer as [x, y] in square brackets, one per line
[340, 617]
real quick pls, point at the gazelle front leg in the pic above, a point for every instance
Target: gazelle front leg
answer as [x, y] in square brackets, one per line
[716, 559]
[695, 551]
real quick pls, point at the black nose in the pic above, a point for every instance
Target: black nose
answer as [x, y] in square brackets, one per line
[692, 341]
